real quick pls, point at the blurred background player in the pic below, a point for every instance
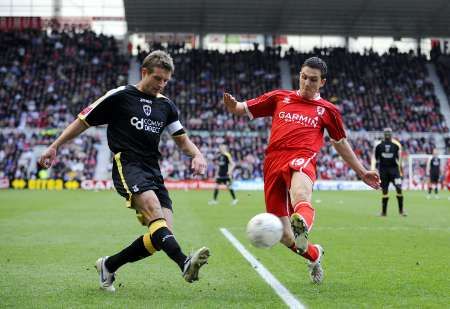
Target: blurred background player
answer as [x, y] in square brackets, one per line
[136, 116]
[299, 119]
[387, 159]
[224, 174]
[434, 173]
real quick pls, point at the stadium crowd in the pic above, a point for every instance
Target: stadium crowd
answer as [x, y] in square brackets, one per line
[373, 89]
[46, 78]
[201, 77]
[76, 160]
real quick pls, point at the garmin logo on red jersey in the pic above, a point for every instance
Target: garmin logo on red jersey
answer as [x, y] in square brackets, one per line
[299, 118]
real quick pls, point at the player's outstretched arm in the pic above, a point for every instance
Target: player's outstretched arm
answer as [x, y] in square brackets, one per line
[232, 105]
[73, 130]
[371, 178]
[198, 164]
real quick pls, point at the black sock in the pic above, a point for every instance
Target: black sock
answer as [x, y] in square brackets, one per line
[400, 203]
[384, 203]
[216, 192]
[429, 190]
[232, 194]
[134, 252]
[436, 190]
[163, 239]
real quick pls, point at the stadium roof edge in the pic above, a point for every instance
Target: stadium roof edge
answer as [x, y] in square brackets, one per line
[398, 18]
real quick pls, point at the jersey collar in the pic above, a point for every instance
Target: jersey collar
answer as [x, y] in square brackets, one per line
[316, 96]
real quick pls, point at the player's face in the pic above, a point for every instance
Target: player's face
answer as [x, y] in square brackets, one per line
[153, 83]
[310, 82]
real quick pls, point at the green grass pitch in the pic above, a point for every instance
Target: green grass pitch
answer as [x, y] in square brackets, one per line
[49, 242]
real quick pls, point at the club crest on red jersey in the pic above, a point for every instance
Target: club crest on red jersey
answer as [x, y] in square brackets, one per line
[147, 110]
[320, 110]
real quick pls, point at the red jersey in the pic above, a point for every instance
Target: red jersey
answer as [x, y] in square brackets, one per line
[298, 124]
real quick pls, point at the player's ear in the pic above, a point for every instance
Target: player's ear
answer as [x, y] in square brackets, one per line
[322, 82]
[144, 72]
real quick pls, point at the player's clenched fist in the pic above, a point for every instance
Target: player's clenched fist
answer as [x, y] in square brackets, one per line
[48, 157]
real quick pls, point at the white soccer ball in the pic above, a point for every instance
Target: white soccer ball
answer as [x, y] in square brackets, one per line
[264, 230]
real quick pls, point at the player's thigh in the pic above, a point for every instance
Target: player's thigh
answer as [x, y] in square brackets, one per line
[385, 180]
[147, 204]
[397, 180]
[301, 188]
[276, 195]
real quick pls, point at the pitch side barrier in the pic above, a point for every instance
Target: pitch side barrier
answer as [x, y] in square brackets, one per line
[241, 185]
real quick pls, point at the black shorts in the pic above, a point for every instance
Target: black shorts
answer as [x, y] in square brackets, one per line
[225, 180]
[388, 175]
[434, 177]
[133, 176]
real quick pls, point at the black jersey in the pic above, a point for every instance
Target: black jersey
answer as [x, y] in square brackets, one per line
[435, 166]
[224, 161]
[388, 154]
[135, 120]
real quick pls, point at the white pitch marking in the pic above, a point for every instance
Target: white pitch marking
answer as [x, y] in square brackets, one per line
[284, 293]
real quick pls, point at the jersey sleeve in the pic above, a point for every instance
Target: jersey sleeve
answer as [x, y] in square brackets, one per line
[173, 120]
[101, 111]
[262, 106]
[335, 125]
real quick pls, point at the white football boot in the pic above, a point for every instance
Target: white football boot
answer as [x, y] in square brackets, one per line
[315, 269]
[300, 229]
[106, 278]
[193, 264]
[234, 202]
[213, 202]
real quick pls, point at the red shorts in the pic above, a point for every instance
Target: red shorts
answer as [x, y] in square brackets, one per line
[278, 168]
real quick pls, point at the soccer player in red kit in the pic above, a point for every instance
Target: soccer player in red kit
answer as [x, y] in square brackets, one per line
[299, 119]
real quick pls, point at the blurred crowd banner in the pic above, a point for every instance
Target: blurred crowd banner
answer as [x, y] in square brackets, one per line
[240, 185]
[20, 23]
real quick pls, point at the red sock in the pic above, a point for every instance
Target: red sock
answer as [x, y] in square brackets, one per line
[305, 210]
[312, 253]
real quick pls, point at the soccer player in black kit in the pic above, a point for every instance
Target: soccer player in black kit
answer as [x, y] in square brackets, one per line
[136, 116]
[434, 173]
[388, 162]
[224, 174]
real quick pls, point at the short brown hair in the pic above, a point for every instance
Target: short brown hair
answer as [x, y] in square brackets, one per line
[317, 63]
[160, 59]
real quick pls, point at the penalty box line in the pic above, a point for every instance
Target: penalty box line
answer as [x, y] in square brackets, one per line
[276, 285]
